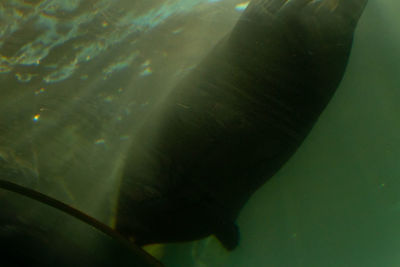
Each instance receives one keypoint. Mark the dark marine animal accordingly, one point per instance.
(234, 121)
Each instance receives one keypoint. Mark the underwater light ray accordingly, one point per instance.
(62, 115)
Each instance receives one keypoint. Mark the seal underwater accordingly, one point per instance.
(234, 121)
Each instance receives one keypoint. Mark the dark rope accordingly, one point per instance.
(30, 193)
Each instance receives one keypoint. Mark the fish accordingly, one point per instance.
(234, 121)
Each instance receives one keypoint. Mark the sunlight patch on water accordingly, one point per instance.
(60, 23)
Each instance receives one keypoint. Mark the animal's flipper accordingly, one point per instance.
(228, 235)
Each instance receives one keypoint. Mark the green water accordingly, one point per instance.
(336, 202)
(102, 67)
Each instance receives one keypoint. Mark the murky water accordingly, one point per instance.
(77, 78)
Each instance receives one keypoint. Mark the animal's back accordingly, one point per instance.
(235, 120)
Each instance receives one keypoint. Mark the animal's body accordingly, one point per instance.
(235, 120)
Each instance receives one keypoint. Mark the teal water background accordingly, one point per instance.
(77, 78)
